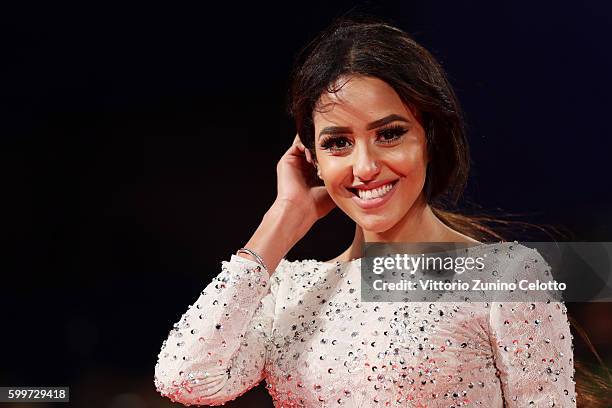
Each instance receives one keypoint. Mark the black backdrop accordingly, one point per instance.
(140, 143)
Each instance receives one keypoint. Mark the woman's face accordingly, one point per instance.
(371, 152)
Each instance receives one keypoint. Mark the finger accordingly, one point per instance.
(295, 150)
(298, 141)
(308, 156)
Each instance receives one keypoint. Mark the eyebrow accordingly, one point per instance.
(334, 130)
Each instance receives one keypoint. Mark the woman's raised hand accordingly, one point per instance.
(299, 203)
(297, 183)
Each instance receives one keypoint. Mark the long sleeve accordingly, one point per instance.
(532, 347)
(217, 351)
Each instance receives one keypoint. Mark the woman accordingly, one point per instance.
(379, 122)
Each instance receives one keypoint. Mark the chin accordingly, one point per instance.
(375, 224)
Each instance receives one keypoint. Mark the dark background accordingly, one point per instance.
(139, 145)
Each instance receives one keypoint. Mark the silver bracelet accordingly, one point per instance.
(254, 255)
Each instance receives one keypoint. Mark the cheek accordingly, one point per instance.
(334, 171)
(409, 162)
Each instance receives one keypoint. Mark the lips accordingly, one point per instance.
(374, 194)
(372, 184)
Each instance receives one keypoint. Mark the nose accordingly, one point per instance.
(365, 166)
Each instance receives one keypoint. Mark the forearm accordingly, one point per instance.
(203, 360)
(283, 225)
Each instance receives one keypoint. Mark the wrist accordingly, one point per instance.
(293, 216)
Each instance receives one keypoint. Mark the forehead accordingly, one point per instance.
(359, 101)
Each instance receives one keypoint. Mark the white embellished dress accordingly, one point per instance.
(306, 332)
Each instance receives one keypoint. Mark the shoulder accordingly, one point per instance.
(522, 272)
(513, 260)
(514, 254)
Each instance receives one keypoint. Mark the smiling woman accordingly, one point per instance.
(380, 123)
(374, 163)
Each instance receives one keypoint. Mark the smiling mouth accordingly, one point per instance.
(374, 193)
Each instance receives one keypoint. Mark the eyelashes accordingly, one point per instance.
(386, 135)
(334, 143)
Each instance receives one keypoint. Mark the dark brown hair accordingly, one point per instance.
(364, 45)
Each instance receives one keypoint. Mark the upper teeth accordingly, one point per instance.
(375, 192)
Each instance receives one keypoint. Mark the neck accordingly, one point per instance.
(419, 224)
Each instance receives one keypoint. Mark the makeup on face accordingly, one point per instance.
(371, 151)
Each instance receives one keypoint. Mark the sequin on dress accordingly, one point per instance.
(306, 332)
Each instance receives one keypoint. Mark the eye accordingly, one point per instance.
(335, 143)
(391, 134)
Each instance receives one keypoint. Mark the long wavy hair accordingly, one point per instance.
(361, 44)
